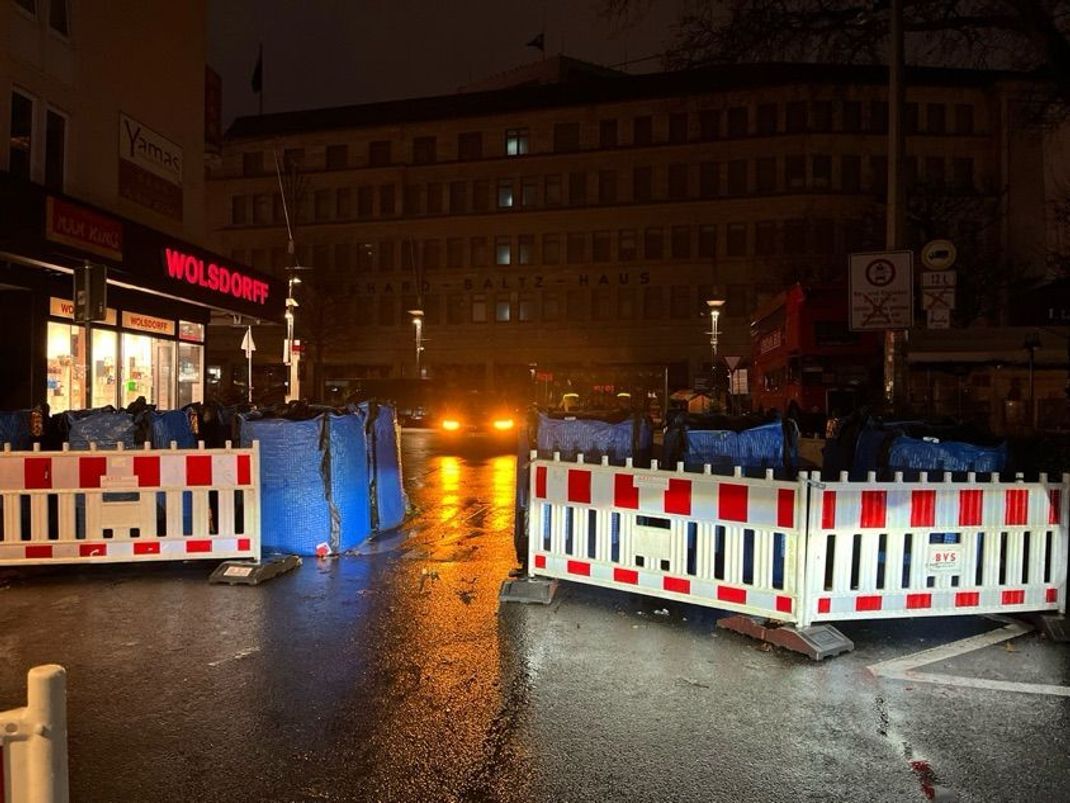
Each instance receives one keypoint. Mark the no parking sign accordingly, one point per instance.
(881, 292)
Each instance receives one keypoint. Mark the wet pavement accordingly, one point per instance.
(392, 675)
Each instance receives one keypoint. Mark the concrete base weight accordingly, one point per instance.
(816, 642)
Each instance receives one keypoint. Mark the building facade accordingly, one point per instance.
(103, 116)
(575, 231)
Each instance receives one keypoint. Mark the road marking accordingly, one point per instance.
(905, 668)
(236, 656)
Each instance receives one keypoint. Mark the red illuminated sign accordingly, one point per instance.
(83, 228)
(193, 270)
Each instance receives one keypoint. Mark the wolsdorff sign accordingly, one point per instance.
(199, 272)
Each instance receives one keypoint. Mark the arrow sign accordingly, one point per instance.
(247, 344)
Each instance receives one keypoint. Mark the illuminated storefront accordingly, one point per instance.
(150, 342)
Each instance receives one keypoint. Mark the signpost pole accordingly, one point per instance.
(248, 346)
(895, 340)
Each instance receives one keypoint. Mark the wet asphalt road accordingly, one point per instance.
(392, 675)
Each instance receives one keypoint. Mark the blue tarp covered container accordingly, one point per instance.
(105, 428)
(314, 485)
(912, 454)
(172, 425)
(593, 439)
(391, 503)
(757, 448)
(15, 429)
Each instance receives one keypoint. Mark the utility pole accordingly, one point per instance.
(895, 376)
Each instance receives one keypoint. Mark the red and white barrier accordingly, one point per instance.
(33, 741)
(729, 542)
(95, 506)
(803, 551)
(895, 549)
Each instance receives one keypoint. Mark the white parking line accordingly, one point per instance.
(905, 668)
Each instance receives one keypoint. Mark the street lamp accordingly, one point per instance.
(715, 305)
(418, 325)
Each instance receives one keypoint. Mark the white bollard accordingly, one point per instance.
(35, 739)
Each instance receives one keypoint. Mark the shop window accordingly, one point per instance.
(600, 246)
(505, 193)
(190, 370)
(678, 182)
(516, 141)
(337, 157)
(566, 137)
(642, 184)
(678, 128)
(458, 197)
(852, 116)
(709, 179)
(626, 245)
(607, 186)
(503, 251)
(59, 17)
(642, 130)
(469, 146)
(424, 150)
(576, 247)
(653, 243)
(709, 124)
(607, 134)
(737, 121)
(529, 188)
(551, 249)
(66, 367)
(553, 190)
(525, 249)
(105, 368)
(379, 153)
(681, 242)
(21, 142)
(147, 370)
(55, 149)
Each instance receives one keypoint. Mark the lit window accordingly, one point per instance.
(516, 141)
(479, 308)
(525, 249)
(502, 251)
(503, 311)
(505, 193)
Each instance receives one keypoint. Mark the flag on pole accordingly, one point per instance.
(538, 42)
(258, 72)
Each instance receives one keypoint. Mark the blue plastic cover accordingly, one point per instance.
(172, 425)
(105, 428)
(908, 454)
(760, 447)
(15, 429)
(593, 439)
(391, 502)
(349, 479)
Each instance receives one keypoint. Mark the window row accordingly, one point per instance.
(675, 128)
(643, 184)
(57, 13)
(705, 243)
(37, 141)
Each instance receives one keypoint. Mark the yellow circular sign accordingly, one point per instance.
(938, 254)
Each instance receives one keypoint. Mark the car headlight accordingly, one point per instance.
(451, 425)
(503, 424)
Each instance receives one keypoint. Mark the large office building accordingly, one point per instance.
(573, 224)
(105, 110)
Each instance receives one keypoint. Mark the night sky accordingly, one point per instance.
(336, 52)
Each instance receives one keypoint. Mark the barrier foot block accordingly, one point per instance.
(531, 590)
(245, 573)
(1055, 626)
(816, 642)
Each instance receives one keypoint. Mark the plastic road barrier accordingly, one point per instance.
(129, 505)
(803, 551)
(33, 741)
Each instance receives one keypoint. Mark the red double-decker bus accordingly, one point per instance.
(804, 352)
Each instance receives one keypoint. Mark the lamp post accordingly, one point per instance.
(418, 327)
(289, 355)
(714, 305)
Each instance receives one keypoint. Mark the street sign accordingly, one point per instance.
(247, 344)
(939, 278)
(938, 254)
(881, 294)
(937, 298)
(939, 318)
